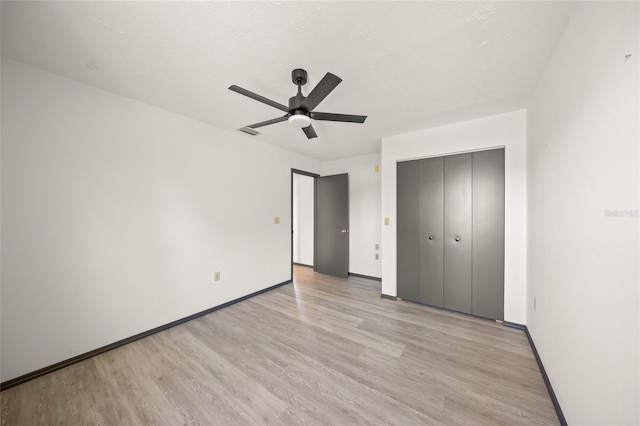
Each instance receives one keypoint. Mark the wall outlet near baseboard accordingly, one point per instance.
(377, 256)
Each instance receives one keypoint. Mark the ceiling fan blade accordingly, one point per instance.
(322, 89)
(347, 118)
(310, 132)
(266, 123)
(258, 98)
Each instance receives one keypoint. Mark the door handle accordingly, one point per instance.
(457, 238)
(431, 237)
(344, 231)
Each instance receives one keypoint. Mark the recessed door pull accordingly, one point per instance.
(457, 238)
(431, 237)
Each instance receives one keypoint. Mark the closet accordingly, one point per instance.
(450, 232)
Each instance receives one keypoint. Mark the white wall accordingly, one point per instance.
(116, 214)
(504, 130)
(303, 218)
(364, 210)
(583, 264)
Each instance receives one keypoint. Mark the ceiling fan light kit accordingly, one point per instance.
(299, 120)
(300, 111)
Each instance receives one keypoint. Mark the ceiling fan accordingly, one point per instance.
(300, 111)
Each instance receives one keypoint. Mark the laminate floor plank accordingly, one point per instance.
(347, 331)
(324, 350)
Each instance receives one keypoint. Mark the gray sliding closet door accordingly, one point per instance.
(408, 256)
(488, 234)
(431, 231)
(457, 232)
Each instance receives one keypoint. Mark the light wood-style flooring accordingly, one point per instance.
(321, 351)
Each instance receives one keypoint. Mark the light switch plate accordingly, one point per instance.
(377, 246)
(386, 221)
(276, 220)
(377, 168)
(216, 276)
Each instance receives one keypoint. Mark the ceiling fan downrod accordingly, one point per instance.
(299, 78)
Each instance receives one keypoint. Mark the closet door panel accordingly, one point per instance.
(431, 231)
(457, 232)
(408, 253)
(488, 234)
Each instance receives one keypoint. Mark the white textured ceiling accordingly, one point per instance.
(407, 65)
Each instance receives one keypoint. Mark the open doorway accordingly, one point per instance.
(302, 218)
(320, 222)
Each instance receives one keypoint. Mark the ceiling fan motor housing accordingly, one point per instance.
(294, 104)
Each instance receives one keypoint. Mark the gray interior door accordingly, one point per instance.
(431, 231)
(457, 232)
(332, 225)
(488, 234)
(408, 240)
